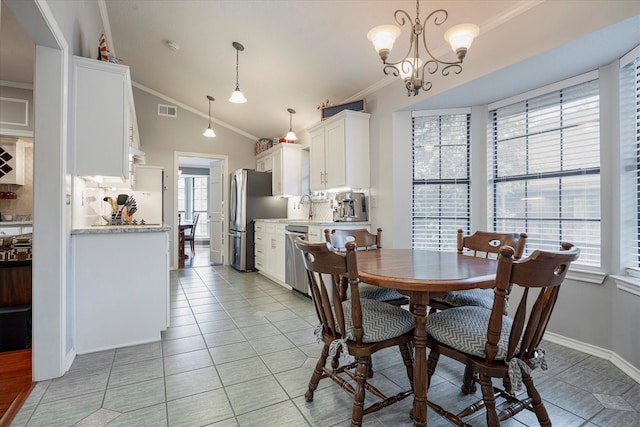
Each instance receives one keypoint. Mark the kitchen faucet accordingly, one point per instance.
(308, 196)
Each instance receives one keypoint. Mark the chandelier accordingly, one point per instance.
(209, 133)
(237, 97)
(412, 68)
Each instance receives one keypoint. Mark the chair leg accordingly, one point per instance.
(317, 373)
(538, 406)
(468, 384)
(489, 400)
(358, 396)
(193, 247)
(432, 362)
(407, 358)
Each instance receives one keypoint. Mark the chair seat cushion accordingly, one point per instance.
(377, 293)
(465, 329)
(473, 297)
(380, 321)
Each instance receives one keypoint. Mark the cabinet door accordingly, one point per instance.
(264, 164)
(317, 160)
(279, 257)
(335, 155)
(276, 174)
(100, 118)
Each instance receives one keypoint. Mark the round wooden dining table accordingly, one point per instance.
(419, 274)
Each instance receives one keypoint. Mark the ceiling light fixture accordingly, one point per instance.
(209, 133)
(411, 68)
(237, 97)
(291, 136)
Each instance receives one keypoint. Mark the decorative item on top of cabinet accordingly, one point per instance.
(102, 128)
(284, 161)
(11, 161)
(339, 152)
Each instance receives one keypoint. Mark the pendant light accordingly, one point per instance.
(209, 133)
(237, 97)
(291, 136)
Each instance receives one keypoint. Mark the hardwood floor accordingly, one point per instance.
(15, 382)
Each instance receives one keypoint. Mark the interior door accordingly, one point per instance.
(216, 213)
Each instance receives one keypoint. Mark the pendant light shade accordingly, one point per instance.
(237, 97)
(291, 136)
(209, 133)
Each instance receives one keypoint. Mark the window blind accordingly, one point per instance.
(544, 169)
(630, 142)
(441, 184)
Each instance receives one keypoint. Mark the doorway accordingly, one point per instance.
(200, 198)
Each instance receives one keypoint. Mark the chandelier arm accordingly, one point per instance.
(439, 17)
(455, 68)
(390, 68)
(401, 20)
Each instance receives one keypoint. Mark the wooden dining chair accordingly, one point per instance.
(355, 328)
(498, 346)
(189, 234)
(481, 243)
(365, 241)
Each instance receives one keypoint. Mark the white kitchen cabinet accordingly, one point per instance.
(284, 162)
(316, 232)
(339, 152)
(101, 124)
(121, 288)
(269, 248)
(264, 162)
(13, 228)
(12, 162)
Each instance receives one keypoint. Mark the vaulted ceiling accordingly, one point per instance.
(300, 53)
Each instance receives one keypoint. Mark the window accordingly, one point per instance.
(630, 143)
(193, 197)
(544, 169)
(441, 183)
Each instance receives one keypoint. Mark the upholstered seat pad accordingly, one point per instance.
(380, 321)
(473, 297)
(377, 293)
(465, 329)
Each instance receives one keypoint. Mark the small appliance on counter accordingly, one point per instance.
(350, 207)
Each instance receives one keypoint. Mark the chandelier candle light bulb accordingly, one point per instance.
(412, 68)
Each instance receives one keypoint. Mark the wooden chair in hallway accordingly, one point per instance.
(497, 346)
(356, 327)
(189, 234)
(365, 241)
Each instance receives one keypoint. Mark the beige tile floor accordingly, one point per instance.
(240, 352)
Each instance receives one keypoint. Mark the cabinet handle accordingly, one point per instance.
(321, 177)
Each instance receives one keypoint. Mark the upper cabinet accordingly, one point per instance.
(339, 152)
(284, 162)
(11, 161)
(103, 120)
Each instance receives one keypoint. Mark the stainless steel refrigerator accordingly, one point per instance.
(249, 199)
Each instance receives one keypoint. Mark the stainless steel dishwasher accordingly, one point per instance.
(295, 273)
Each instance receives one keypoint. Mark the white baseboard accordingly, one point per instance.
(68, 360)
(620, 363)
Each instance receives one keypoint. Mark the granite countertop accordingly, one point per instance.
(312, 223)
(15, 223)
(111, 229)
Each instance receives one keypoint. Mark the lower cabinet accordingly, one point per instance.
(270, 250)
(121, 289)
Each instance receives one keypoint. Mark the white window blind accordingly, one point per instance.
(544, 169)
(441, 184)
(630, 142)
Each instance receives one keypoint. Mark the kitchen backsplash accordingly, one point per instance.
(322, 209)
